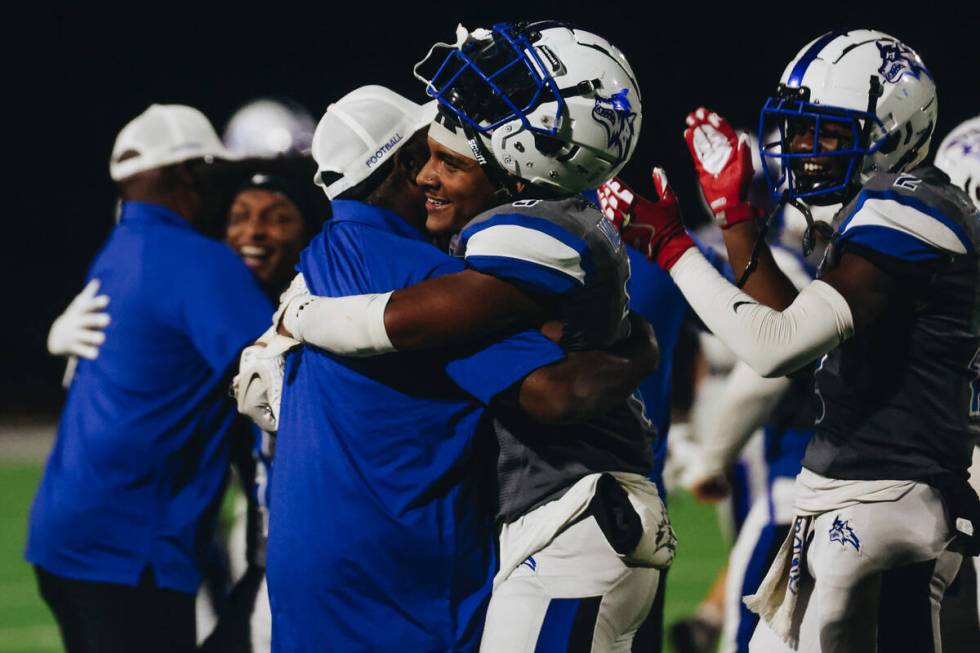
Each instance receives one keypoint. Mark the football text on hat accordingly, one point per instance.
(360, 132)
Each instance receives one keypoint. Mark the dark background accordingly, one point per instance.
(74, 76)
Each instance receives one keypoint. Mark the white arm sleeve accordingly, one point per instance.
(773, 343)
(348, 326)
(744, 405)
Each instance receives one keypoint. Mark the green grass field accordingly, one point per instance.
(26, 625)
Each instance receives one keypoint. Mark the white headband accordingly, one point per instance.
(454, 140)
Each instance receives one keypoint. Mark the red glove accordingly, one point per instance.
(723, 160)
(653, 227)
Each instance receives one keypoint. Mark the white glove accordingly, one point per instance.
(258, 386)
(79, 330)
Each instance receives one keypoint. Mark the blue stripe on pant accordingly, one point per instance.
(568, 626)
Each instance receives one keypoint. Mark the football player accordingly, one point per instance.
(891, 320)
(403, 557)
(531, 116)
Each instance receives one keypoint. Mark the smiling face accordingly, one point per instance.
(833, 136)
(456, 190)
(266, 229)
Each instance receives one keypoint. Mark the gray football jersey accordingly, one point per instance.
(901, 399)
(568, 255)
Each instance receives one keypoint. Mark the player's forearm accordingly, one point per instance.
(588, 383)
(745, 404)
(773, 343)
(457, 308)
(447, 310)
(767, 284)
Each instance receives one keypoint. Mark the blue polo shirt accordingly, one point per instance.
(141, 455)
(378, 540)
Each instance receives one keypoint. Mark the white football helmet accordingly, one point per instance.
(867, 89)
(269, 128)
(551, 104)
(959, 157)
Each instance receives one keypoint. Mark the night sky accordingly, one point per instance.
(75, 76)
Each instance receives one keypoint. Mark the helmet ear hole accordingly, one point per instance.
(547, 145)
(891, 142)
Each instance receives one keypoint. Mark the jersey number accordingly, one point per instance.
(908, 182)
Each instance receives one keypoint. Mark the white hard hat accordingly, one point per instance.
(361, 131)
(163, 135)
(269, 127)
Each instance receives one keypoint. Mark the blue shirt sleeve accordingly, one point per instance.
(532, 253)
(225, 308)
(491, 370)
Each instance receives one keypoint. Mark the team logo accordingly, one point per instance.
(531, 563)
(616, 116)
(898, 60)
(967, 143)
(841, 532)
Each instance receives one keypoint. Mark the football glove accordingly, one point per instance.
(723, 160)
(652, 226)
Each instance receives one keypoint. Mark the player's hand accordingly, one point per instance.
(79, 331)
(652, 226)
(723, 160)
(258, 386)
(711, 489)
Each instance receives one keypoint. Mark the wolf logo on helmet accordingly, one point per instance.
(897, 60)
(616, 115)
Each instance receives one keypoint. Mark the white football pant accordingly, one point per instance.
(880, 571)
(576, 594)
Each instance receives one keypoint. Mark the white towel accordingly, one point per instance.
(777, 599)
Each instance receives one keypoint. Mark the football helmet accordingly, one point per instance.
(545, 102)
(959, 157)
(849, 105)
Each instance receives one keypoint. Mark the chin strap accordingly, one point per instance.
(813, 227)
(757, 247)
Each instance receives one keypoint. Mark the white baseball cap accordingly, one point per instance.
(163, 135)
(362, 130)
